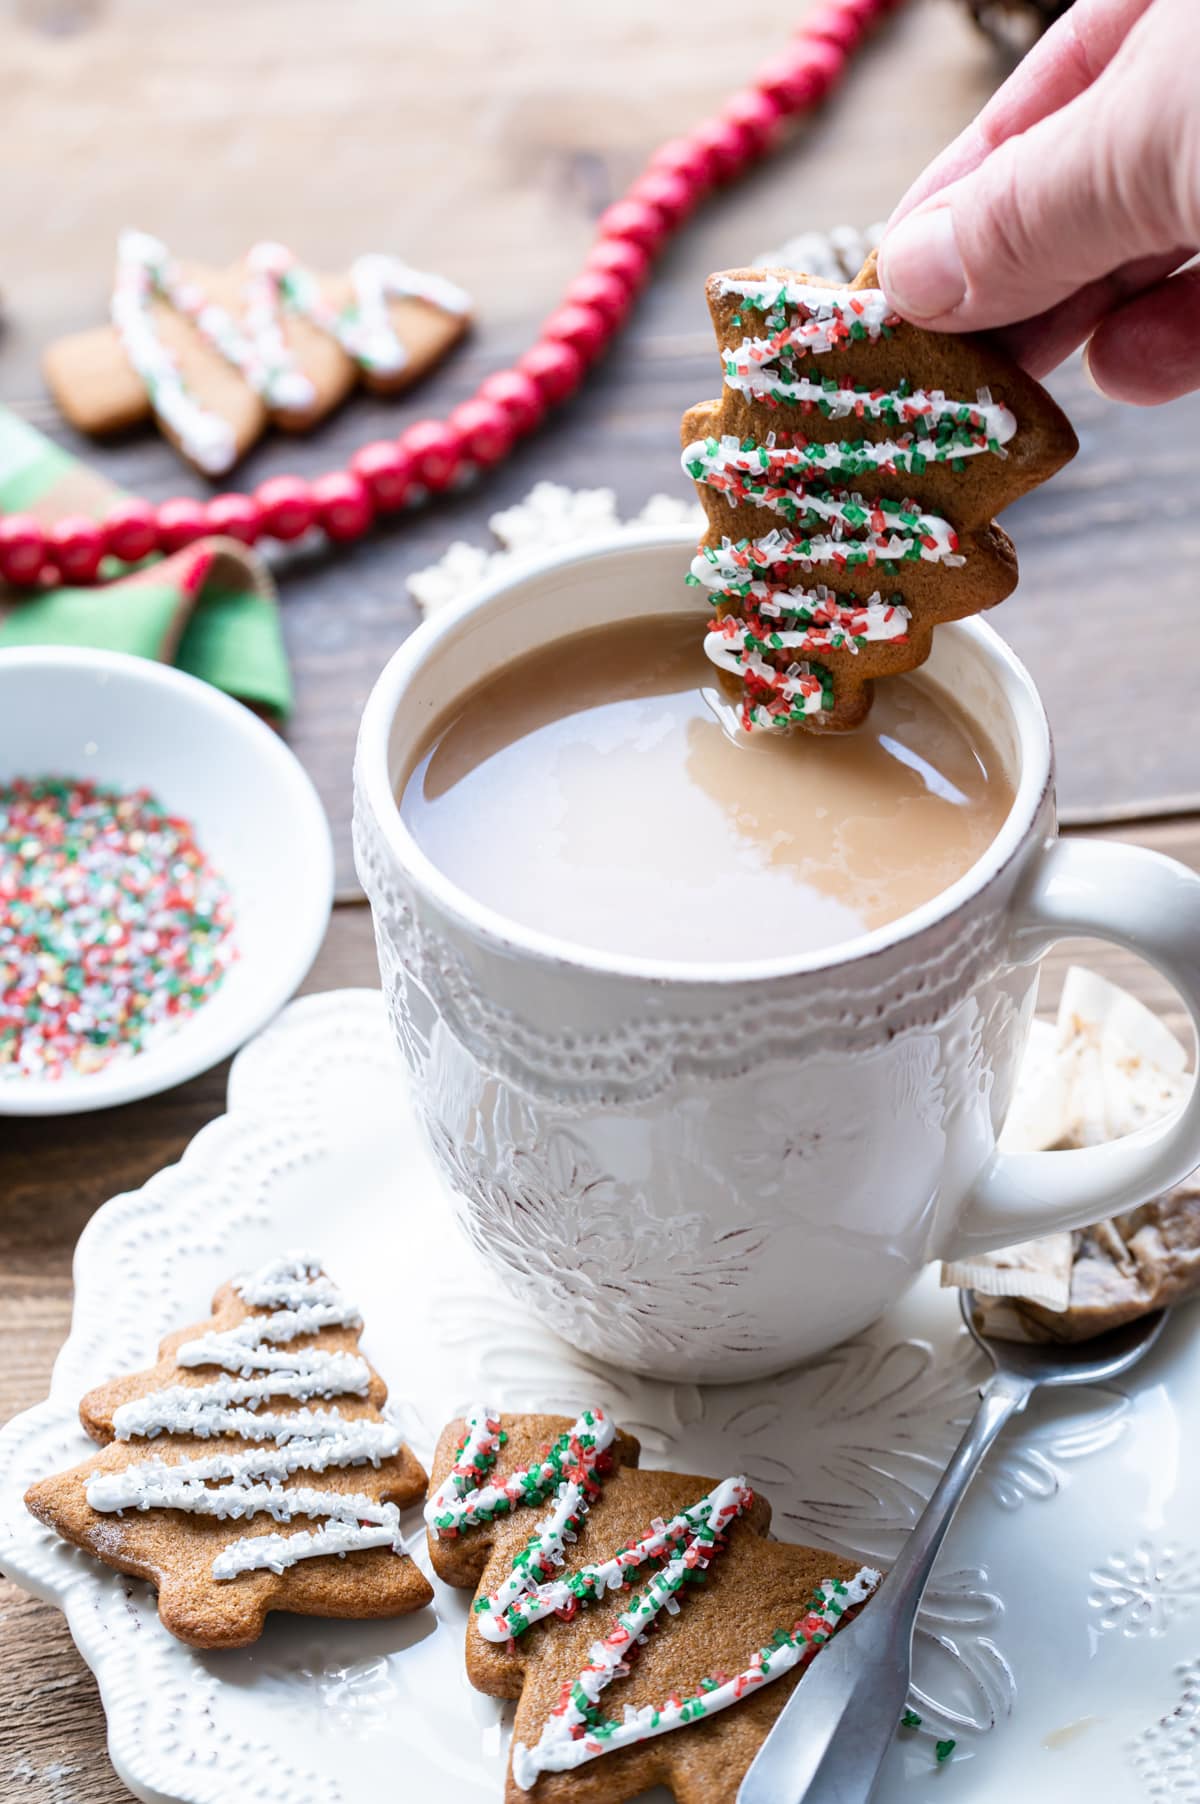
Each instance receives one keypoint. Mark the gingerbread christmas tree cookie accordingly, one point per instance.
(850, 472)
(649, 1631)
(252, 1469)
(214, 355)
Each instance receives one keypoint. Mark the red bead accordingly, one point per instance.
(555, 366)
(180, 522)
(76, 544)
(755, 114)
(518, 395)
(620, 257)
(668, 192)
(235, 517)
(633, 219)
(726, 144)
(822, 63)
(22, 548)
(686, 158)
(387, 469)
(131, 530)
(286, 505)
(484, 430)
(791, 80)
(581, 327)
(436, 452)
(600, 289)
(343, 504)
(836, 23)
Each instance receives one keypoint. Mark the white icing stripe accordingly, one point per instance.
(889, 529)
(718, 463)
(460, 1501)
(275, 1553)
(729, 565)
(193, 1408)
(867, 305)
(880, 622)
(566, 1741)
(920, 406)
(538, 1601)
(239, 1485)
(293, 1282)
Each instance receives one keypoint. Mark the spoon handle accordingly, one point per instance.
(831, 1738)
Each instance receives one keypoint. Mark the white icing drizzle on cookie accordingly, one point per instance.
(255, 342)
(242, 1484)
(465, 1499)
(537, 1588)
(574, 1733)
(736, 644)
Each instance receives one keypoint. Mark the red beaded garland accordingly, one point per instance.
(235, 517)
(586, 330)
(603, 292)
(436, 451)
(516, 392)
(634, 219)
(131, 530)
(386, 466)
(286, 505)
(343, 505)
(76, 544)
(555, 366)
(383, 475)
(22, 548)
(181, 522)
(484, 430)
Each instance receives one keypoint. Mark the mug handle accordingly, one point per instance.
(1150, 905)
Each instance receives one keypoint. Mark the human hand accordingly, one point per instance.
(1062, 211)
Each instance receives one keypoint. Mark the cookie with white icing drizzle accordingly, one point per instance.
(214, 355)
(649, 1631)
(252, 1469)
(850, 471)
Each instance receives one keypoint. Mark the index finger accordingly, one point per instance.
(1060, 66)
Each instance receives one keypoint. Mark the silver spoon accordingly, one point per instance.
(831, 1738)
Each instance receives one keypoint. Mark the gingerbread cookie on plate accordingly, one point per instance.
(850, 471)
(649, 1631)
(252, 1469)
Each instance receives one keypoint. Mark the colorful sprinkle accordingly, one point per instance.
(114, 926)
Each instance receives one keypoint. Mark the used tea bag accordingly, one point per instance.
(1107, 1066)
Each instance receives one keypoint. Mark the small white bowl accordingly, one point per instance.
(134, 724)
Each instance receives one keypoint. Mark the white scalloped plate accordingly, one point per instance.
(1060, 1644)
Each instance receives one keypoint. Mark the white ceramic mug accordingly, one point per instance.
(709, 1171)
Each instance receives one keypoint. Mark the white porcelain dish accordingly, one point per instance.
(128, 722)
(1058, 1643)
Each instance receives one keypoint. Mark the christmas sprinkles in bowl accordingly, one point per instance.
(115, 925)
(166, 877)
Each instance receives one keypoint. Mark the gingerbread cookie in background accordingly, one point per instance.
(849, 473)
(233, 1437)
(217, 355)
(649, 1631)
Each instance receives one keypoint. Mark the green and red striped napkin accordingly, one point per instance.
(212, 609)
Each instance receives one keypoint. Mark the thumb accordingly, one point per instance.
(1080, 193)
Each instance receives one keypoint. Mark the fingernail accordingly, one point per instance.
(919, 265)
(1090, 373)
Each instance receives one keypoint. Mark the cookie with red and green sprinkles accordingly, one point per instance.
(850, 470)
(648, 1629)
(115, 926)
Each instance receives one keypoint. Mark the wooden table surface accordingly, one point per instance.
(482, 141)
